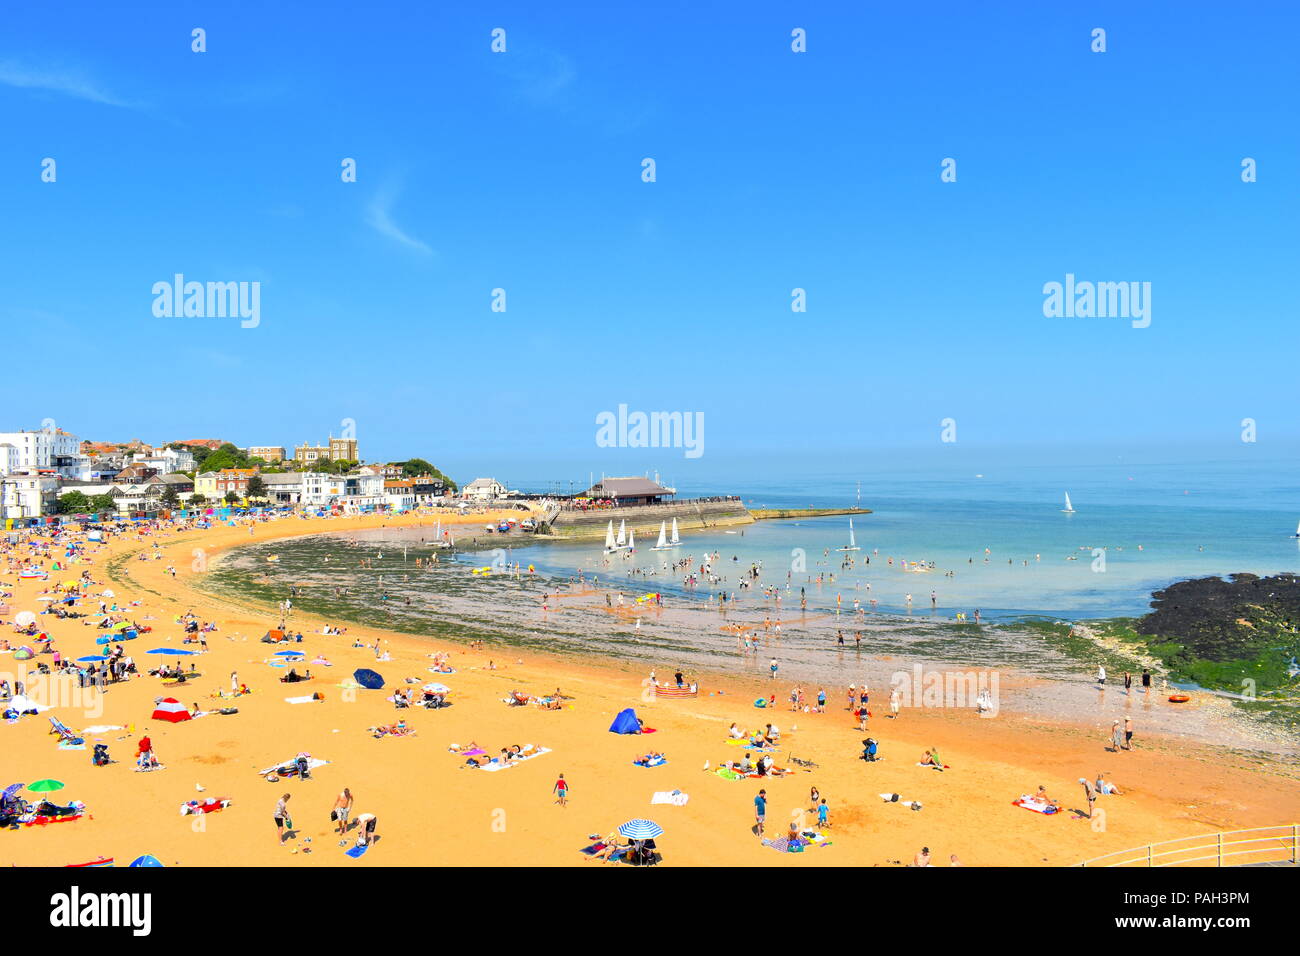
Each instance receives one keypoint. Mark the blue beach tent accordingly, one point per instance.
(625, 723)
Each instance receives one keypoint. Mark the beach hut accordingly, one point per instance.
(625, 723)
(171, 710)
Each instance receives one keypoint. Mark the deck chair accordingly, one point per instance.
(59, 727)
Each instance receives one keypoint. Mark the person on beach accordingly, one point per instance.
(1146, 681)
(1101, 674)
(922, 858)
(1128, 733)
(1104, 786)
(342, 808)
(366, 823)
(1089, 794)
(760, 811)
(1128, 682)
(894, 703)
(561, 791)
(823, 815)
(283, 824)
(773, 666)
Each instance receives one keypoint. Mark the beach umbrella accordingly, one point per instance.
(91, 658)
(24, 618)
(436, 688)
(171, 710)
(640, 829)
(10, 790)
(120, 626)
(368, 678)
(45, 786)
(171, 651)
(146, 860)
(289, 654)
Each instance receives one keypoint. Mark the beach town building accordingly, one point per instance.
(399, 494)
(338, 449)
(46, 449)
(284, 489)
(427, 489)
(392, 470)
(134, 474)
(218, 484)
(166, 461)
(28, 494)
(630, 491)
(268, 453)
(355, 491)
(483, 489)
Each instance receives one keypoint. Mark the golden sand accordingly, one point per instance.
(431, 811)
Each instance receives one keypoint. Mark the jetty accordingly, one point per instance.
(767, 514)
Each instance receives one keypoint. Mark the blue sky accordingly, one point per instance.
(775, 170)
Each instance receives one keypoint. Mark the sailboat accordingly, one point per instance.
(610, 546)
(853, 541)
(1069, 508)
(662, 544)
(1297, 531)
(631, 541)
(676, 538)
(621, 540)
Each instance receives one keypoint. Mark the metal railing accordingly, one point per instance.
(1277, 844)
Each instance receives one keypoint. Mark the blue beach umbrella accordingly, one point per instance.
(368, 679)
(640, 829)
(146, 860)
(91, 658)
(10, 790)
(289, 654)
(170, 650)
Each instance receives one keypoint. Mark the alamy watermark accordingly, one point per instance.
(960, 689)
(1102, 300)
(626, 429)
(198, 300)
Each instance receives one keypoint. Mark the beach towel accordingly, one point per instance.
(476, 752)
(933, 767)
(356, 852)
(77, 744)
(1038, 806)
(206, 805)
(726, 774)
(303, 700)
(290, 767)
(674, 797)
(593, 849)
(497, 765)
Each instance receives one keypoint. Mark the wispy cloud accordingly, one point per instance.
(379, 217)
(66, 82)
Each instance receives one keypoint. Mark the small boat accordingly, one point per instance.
(853, 541)
(610, 544)
(676, 538)
(662, 544)
(1069, 508)
(1297, 531)
(631, 541)
(621, 540)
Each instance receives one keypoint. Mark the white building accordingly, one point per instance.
(483, 489)
(28, 494)
(167, 461)
(45, 449)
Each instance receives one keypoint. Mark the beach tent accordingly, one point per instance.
(171, 710)
(625, 723)
(273, 636)
(146, 860)
(23, 654)
(368, 679)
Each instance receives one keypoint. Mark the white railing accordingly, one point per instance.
(1278, 844)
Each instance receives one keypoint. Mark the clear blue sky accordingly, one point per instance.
(775, 170)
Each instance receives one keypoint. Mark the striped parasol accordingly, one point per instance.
(640, 830)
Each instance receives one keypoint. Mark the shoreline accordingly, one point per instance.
(431, 811)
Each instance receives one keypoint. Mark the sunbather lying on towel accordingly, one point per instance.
(399, 729)
(652, 759)
(206, 805)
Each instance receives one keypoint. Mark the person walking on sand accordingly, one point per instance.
(561, 791)
(283, 824)
(342, 809)
(893, 703)
(1128, 682)
(234, 682)
(772, 667)
(1146, 681)
(1128, 733)
(760, 811)
(1117, 736)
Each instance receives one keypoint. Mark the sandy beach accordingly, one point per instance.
(432, 811)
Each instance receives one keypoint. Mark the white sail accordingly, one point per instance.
(1297, 529)
(853, 541)
(1069, 508)
(609, 536)
(622, 534)
(631, 540)
(663, 535)
(676, 539)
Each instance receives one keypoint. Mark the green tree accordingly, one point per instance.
(198, 499)
(74, 502)
(100, 503)
(256, 487)
(232, 498)
(170, 499)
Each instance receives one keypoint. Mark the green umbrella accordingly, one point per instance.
(45, 786)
